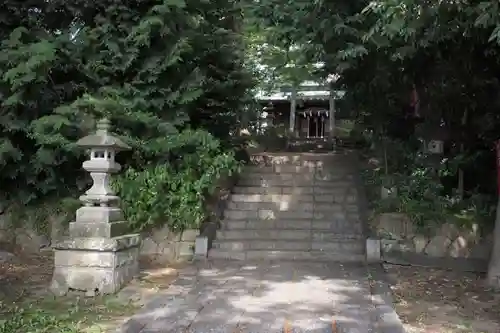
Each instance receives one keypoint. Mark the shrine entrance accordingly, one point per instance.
(313, 123)
(306, 113)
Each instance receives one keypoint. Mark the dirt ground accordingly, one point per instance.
(24, 283)
(439, 301)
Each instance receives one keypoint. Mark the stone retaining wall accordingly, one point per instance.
(165, 245)
(29, 238)
(446, 245)
(161, 243)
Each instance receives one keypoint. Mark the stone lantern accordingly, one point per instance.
(432, 137)
(100, 256)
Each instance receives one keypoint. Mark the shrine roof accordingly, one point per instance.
(322, 95)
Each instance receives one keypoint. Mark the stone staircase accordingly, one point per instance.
(293, 206)
(318, 145)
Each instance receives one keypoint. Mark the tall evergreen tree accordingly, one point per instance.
(154, 67)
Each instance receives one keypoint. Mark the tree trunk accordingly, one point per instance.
(493, 277)
(462, 149)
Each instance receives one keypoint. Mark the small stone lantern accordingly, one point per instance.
(103, 148)
(435, 147)
(432, 138)
(100, 255)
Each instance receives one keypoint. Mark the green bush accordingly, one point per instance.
(418, 195)
(174, 192)
(420, 191)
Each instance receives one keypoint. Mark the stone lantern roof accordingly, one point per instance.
(102, 138)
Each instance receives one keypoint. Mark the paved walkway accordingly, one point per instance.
(263, 297)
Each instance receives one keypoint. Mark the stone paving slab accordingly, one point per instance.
(261, 297)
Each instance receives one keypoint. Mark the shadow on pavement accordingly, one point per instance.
(225, 296)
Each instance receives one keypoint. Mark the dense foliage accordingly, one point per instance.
(167, 73)
(176, 192)
(412, 71)
(418, 191)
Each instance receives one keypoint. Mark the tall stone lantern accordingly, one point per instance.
(100, 256)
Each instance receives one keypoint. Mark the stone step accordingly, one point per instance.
(338, 226)
(271, 198)
(271, 206)
(302, 177)
(240, 189)
(297, 158)
(297, 234)
(286, 255)
(321, 212)
(345, 197)
(338, 246)
(281, 169)
(289, 160)
(263, 182)
(282, 206)
(280, 172)
(302, 166)
(301, 172)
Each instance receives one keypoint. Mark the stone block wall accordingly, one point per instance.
(160, 243)
(29, 237)
(164, 245)
(444, 245)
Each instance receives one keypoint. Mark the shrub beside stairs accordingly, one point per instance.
(293, 206)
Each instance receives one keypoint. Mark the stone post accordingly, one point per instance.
(100, 256)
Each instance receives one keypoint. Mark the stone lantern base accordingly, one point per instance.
(95, 265)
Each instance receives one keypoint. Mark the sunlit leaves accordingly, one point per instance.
(174, 193)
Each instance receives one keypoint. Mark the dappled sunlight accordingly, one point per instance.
(303, 210)
(162, 272)
(261, 297)
(300, 295)
(300, 199)
(300, 205)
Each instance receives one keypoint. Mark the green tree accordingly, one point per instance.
(383, 50)
(155, 68)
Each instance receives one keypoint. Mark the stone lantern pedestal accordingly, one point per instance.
(100, 256)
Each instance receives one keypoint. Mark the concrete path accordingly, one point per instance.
(262, 297)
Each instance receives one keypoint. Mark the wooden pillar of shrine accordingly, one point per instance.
(331, 114)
